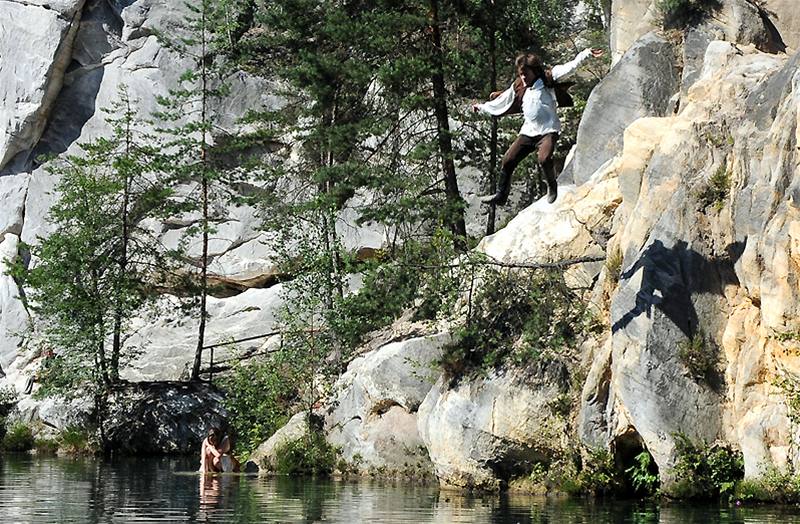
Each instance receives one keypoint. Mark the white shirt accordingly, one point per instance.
(538, 102)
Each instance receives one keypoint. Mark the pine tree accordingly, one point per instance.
(188, 118)
(98, 268)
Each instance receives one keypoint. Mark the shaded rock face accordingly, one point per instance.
(482, 431)
(163, 418)
(640, 84)
(373, 416)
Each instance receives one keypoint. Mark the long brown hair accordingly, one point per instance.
(213, 435)
(534, 63)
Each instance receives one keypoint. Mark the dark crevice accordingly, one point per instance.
(224, 287)
(775, 43)
(382, 407)
(630, 457)
(68, 116)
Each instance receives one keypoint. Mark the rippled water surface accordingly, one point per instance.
(48, 490)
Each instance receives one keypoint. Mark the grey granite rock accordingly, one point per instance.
(480, 432)
(373, 416)
(639, 85)
(155, 418)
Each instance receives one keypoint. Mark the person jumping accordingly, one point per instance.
(534, 94)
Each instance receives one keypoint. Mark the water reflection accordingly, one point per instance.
(45, 490)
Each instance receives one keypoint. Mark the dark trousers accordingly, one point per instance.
(523, 146)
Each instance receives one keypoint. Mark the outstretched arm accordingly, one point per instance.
(497, 105)
(564, 70)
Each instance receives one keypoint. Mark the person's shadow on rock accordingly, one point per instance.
(671, 276)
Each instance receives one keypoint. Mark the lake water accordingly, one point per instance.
(50, 490)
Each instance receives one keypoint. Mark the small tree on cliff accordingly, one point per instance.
(190, 118)
(99, 266)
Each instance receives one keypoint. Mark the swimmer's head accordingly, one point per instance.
(213, 435)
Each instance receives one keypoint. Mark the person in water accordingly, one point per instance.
(534, 93)
(215, 454)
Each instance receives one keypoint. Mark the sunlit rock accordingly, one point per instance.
(482, 431)
(39, 37)
(373, 416)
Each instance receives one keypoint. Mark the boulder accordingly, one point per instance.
(57, 413)
(373, 416)
(641, 84)
(737, 21)
(263, 458)
(575, 227)
(482, 431)
(156, 418)
(630, 19)
(743, 22)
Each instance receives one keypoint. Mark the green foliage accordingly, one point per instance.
(8, 400)
(307, 456)
(705, 471)
(18, 437)
(99, 266)
(595, 475)
(773, 486)
(387, 290)
(71, 441)
(643, 475)
(791, 391)
(699, 357)
(680, 13)
(614, 264)
(45, 445)
(516, 317)
(787, 336)
(74, 440)
(599, 475)
(391, 284)
(715, 192)
(259, 397)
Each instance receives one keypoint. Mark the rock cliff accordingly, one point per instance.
(685, 172)
(677, 114)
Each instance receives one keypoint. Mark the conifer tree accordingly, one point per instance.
(189, 117)
(99, 267)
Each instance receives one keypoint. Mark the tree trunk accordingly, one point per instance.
(201, 330)
(490, 219)
(455, 204)
(101, 338)
(116, 345)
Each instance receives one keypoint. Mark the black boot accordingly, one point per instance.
(503, 189)
(550, 181)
